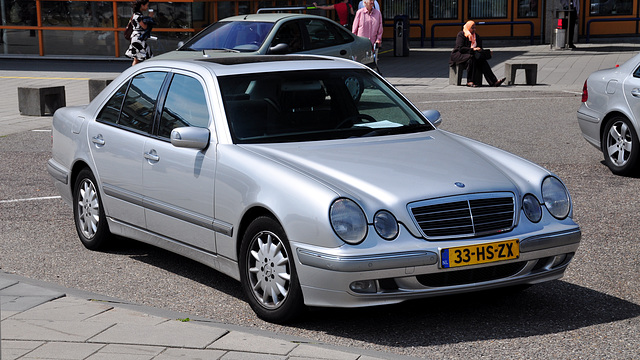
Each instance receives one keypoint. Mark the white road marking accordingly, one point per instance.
(30, 199)
(472, 100)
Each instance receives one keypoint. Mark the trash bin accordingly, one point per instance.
(401, 29)
(559, 39)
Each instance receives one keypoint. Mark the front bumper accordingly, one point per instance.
(327, 279)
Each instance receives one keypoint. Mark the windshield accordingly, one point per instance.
(314, 105)
(230, 35)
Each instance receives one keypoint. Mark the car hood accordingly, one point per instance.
(392, 171)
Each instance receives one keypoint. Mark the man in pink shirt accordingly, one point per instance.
(368, 23)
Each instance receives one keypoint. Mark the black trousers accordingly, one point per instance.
(477, 68)
(573, 16)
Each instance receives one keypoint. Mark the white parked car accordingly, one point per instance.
(276, 34)
(608, 116)
(309, 179)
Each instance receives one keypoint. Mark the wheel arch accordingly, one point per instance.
(605, 120)
(75, 170)
(250, 215)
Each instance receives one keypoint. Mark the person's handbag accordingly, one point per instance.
(483, 54)
(128, 31)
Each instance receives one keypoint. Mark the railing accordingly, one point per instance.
(482, 23)
(608, 20)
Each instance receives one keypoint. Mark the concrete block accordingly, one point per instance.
(530, 72)
(96, 86)
(39, 101)
(455, 73)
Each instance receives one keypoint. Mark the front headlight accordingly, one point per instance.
(532, 208)
(348, 221)
(556, 197)
(386, 225)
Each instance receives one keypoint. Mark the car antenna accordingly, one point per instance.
(204, 53)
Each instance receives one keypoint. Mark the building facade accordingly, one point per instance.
(95, 28)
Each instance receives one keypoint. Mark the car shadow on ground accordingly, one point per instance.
(549, 308)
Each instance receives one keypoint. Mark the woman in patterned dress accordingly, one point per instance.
(139, 50)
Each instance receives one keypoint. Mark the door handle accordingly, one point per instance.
(343, 52)
(635, 92)
(152, 156)
(98, 140)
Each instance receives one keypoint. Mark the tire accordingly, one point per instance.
(268, 273)
(88, 212)
(620, 146)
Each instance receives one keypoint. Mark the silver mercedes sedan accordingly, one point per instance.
(311, 180)
(608, 116)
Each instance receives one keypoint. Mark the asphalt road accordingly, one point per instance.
(592, 313)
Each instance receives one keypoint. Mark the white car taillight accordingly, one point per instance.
(585, 92)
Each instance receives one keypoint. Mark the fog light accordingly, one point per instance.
(559, 259)
(364, 286)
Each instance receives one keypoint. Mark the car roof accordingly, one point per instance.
(269, 17)
(222, 66)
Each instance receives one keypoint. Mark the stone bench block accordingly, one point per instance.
(96, 86)
(530, 72)
(39, 101)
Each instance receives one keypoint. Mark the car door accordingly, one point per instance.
(117, 140)
(178, 182)
(326, 38)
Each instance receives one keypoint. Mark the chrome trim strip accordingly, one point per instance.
(550, 240)
(122, 194)
(57, 171)
(169, 210)
(366, 262)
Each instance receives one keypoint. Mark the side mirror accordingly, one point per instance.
(180, 44)
(279, 49)
(433, 116)
(190, 137)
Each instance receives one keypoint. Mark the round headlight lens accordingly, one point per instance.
(531, 207)
(556, 197)
(348, 221)
(386, 225)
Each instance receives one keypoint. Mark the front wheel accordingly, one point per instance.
(620, 146)
(268, 274)
(88, 213)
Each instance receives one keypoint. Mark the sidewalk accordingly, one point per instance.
(42, 320)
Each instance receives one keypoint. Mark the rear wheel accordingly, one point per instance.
(620, 146)
(88, 213)
(268, 274)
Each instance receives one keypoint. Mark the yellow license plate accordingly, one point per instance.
(480, 254)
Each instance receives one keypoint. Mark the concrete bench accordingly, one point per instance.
(39, 101)
(530, 72)
(96, 86)
(455, 74)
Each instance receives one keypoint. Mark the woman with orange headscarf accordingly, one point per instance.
(469, 50)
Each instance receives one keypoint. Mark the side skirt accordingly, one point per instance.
(219, 263)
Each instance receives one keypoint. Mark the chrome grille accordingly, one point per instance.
(465, 216)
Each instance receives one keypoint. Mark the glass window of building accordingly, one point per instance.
(443, 9)
(487, 9)
(611, 7)
(392, 8)
(527, 8)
